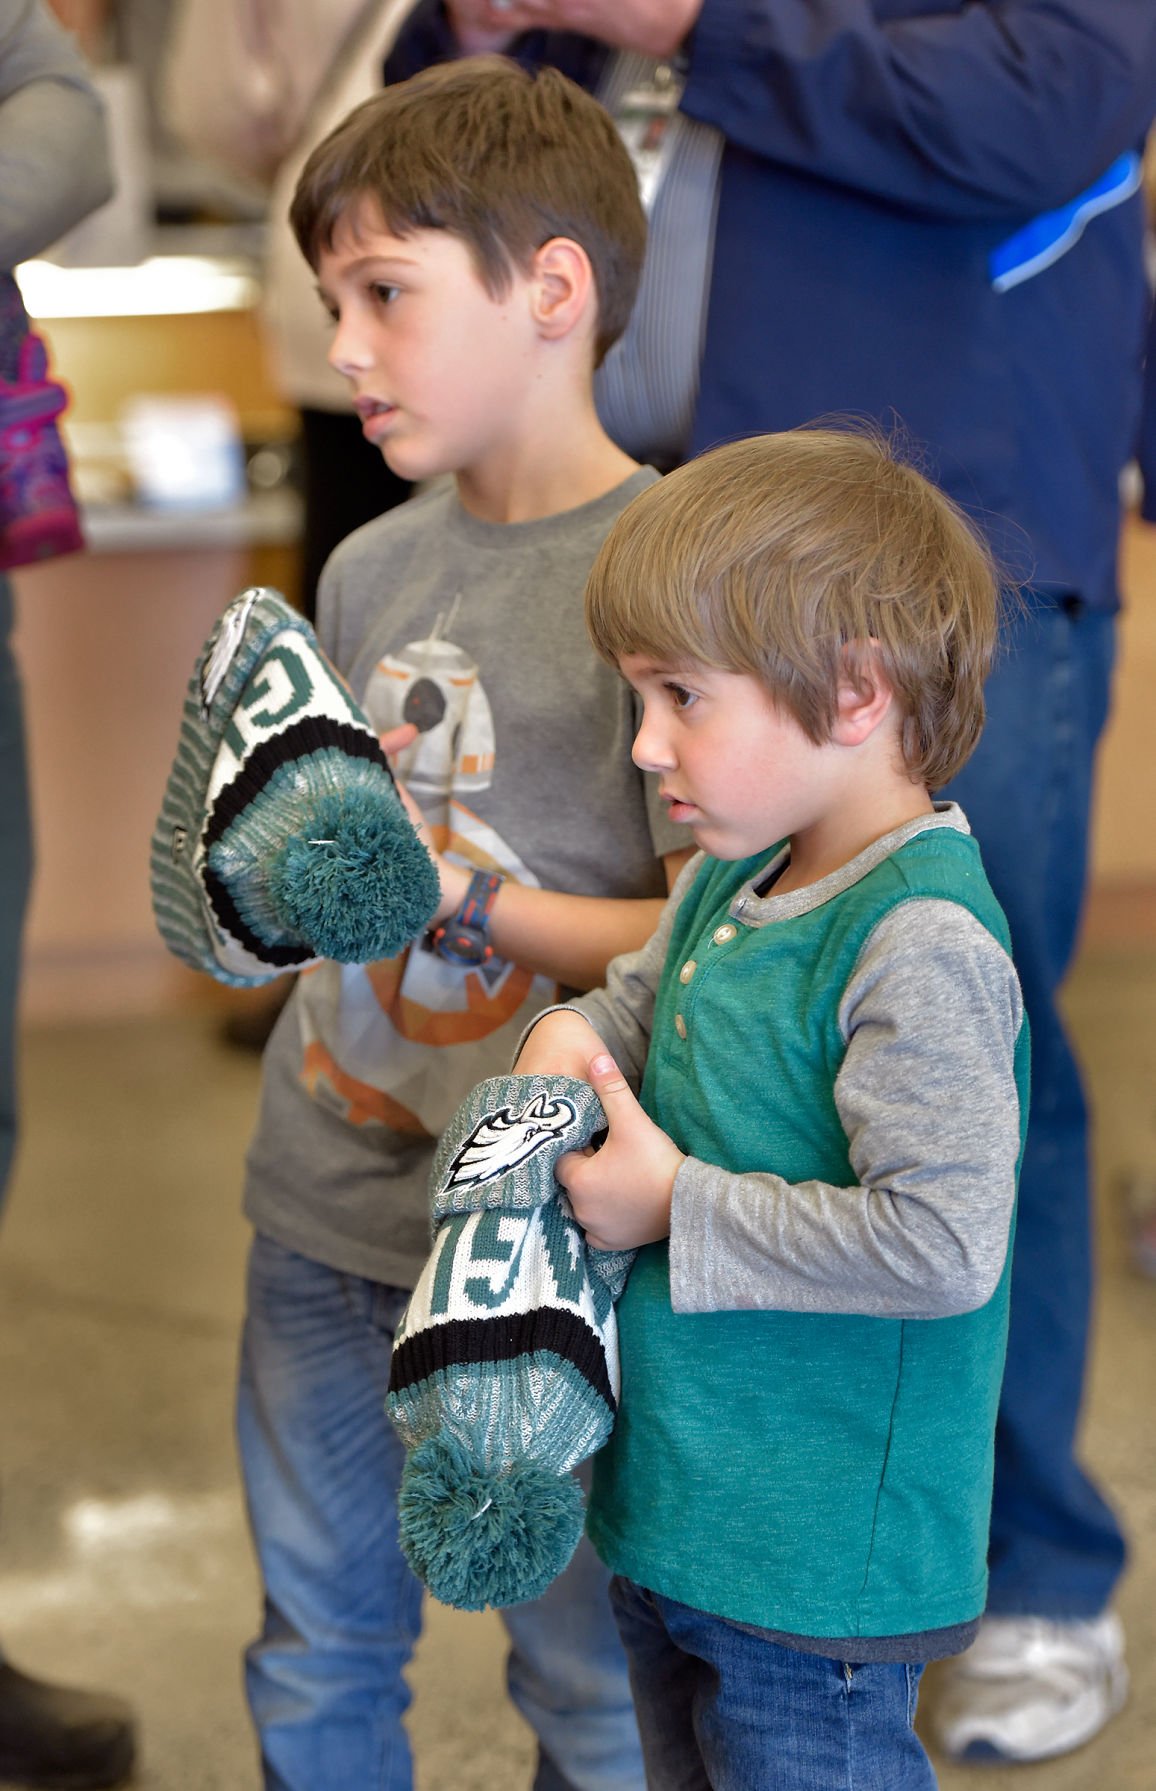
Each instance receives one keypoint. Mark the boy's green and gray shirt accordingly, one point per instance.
(932, 1009)
(846, 1069)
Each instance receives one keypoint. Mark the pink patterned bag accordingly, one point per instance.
(38, 514)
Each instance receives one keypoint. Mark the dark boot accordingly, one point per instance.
(58, 1739)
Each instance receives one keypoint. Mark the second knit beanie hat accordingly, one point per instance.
(282, 838)
(505, 1367)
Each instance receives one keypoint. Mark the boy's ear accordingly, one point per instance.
(563, 287)
(864, 697)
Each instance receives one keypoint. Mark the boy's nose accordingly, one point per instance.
(650, 751)
(347, 353)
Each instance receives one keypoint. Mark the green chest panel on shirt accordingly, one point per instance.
(825, 1475)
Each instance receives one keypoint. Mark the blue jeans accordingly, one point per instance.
(722, 1708)
(322, 1467)
(1056, 1548)
(15, 875)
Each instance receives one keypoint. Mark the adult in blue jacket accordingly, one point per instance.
(926, 213)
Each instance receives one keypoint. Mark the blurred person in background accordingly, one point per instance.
(54, 170)
(253, 89)
(927, 212)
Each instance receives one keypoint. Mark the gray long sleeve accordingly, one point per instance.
(54, 166)
(926, 1096)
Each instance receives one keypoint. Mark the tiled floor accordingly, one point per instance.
(124, 1558)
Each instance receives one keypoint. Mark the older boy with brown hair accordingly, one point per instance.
(820, 1170)
(477, 237)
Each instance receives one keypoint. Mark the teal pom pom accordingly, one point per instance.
(479, 1537)
(361, 886)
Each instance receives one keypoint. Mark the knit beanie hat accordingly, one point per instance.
(505, 1366)
(281, 838)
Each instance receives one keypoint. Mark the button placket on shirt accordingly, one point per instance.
(695, 968)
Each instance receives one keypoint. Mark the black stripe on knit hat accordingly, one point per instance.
(228, 917)
(474, 1342)
(315, 733)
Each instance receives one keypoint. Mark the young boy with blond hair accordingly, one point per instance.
(477, 238)
(819, 1170)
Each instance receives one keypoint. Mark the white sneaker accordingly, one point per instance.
(1029, 1688)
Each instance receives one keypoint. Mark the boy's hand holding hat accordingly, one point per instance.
(621, 1195)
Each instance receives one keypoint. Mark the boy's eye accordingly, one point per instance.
(383, 292)
(682, 697)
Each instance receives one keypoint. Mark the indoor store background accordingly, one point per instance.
(125, 1559)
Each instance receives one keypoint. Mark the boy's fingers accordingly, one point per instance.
(608, 1080)
(611, 1087)
(397, 739)
(568, 1166)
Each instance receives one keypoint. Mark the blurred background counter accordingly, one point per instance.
(107, 639)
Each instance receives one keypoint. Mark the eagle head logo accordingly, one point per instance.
(501, 1141)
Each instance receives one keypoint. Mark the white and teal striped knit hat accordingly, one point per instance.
(281, 838)
(505, 1367)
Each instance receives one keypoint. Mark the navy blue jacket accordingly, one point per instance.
(877, 152)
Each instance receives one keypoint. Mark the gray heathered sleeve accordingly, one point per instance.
(54, 165)
(927, 1097)
(622, 1014)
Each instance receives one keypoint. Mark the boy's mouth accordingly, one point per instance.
(372, 412)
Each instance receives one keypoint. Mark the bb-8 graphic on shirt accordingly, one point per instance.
(368, 1028)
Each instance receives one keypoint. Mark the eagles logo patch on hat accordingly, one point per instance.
(281, 838)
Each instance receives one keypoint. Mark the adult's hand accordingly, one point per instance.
(653, 27)
(480, 27)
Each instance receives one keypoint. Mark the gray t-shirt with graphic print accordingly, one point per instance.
(475, 632)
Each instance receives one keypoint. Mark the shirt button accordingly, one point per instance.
(687, 971)
(724, 934)
(680, 1026)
